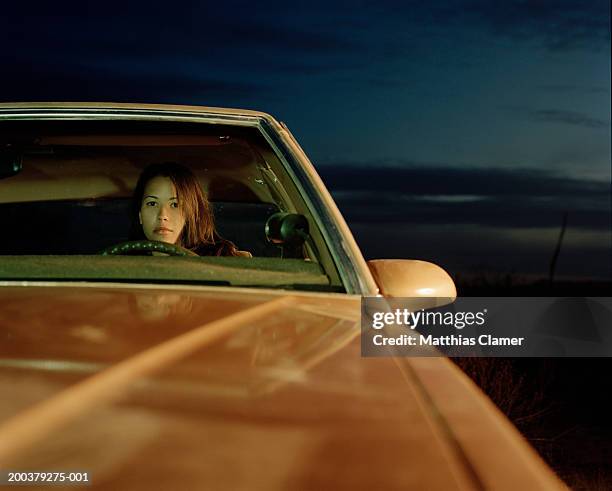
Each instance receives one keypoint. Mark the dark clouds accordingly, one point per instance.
(204, 30)
(76, 82)
(223, 53)
(565, 88)
(219, 52)
(417, 194)
(473, 219)
(568, 117)
(230, 53)
(492, 212)
(414, 178)
(558, 25)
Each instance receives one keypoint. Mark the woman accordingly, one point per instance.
(170, 206)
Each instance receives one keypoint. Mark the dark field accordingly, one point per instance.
(563, 406)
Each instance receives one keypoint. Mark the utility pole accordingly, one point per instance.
(553, 262)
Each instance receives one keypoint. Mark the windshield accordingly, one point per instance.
(68, 202)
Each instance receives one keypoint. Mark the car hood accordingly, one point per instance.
(226, 388)
(226, 342)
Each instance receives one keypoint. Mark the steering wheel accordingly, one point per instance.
(136, 246)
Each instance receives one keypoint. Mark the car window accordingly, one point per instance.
(66, 196)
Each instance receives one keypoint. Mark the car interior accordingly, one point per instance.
(66, 187)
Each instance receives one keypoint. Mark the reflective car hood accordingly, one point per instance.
(73, 333)
(234, 389)
(107, 325)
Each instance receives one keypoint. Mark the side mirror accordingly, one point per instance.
(413, 279)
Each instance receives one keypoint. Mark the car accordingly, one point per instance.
(125, 369)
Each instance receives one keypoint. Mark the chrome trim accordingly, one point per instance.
(179, 287)
(126, 114)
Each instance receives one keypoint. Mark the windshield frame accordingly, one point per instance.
(349, 263)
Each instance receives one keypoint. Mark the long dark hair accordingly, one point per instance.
(198, 234)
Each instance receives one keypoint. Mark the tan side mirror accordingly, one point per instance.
(412, 278)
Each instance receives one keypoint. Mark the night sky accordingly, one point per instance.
(456, 131)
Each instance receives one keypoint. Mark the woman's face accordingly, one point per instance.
(160, 214)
